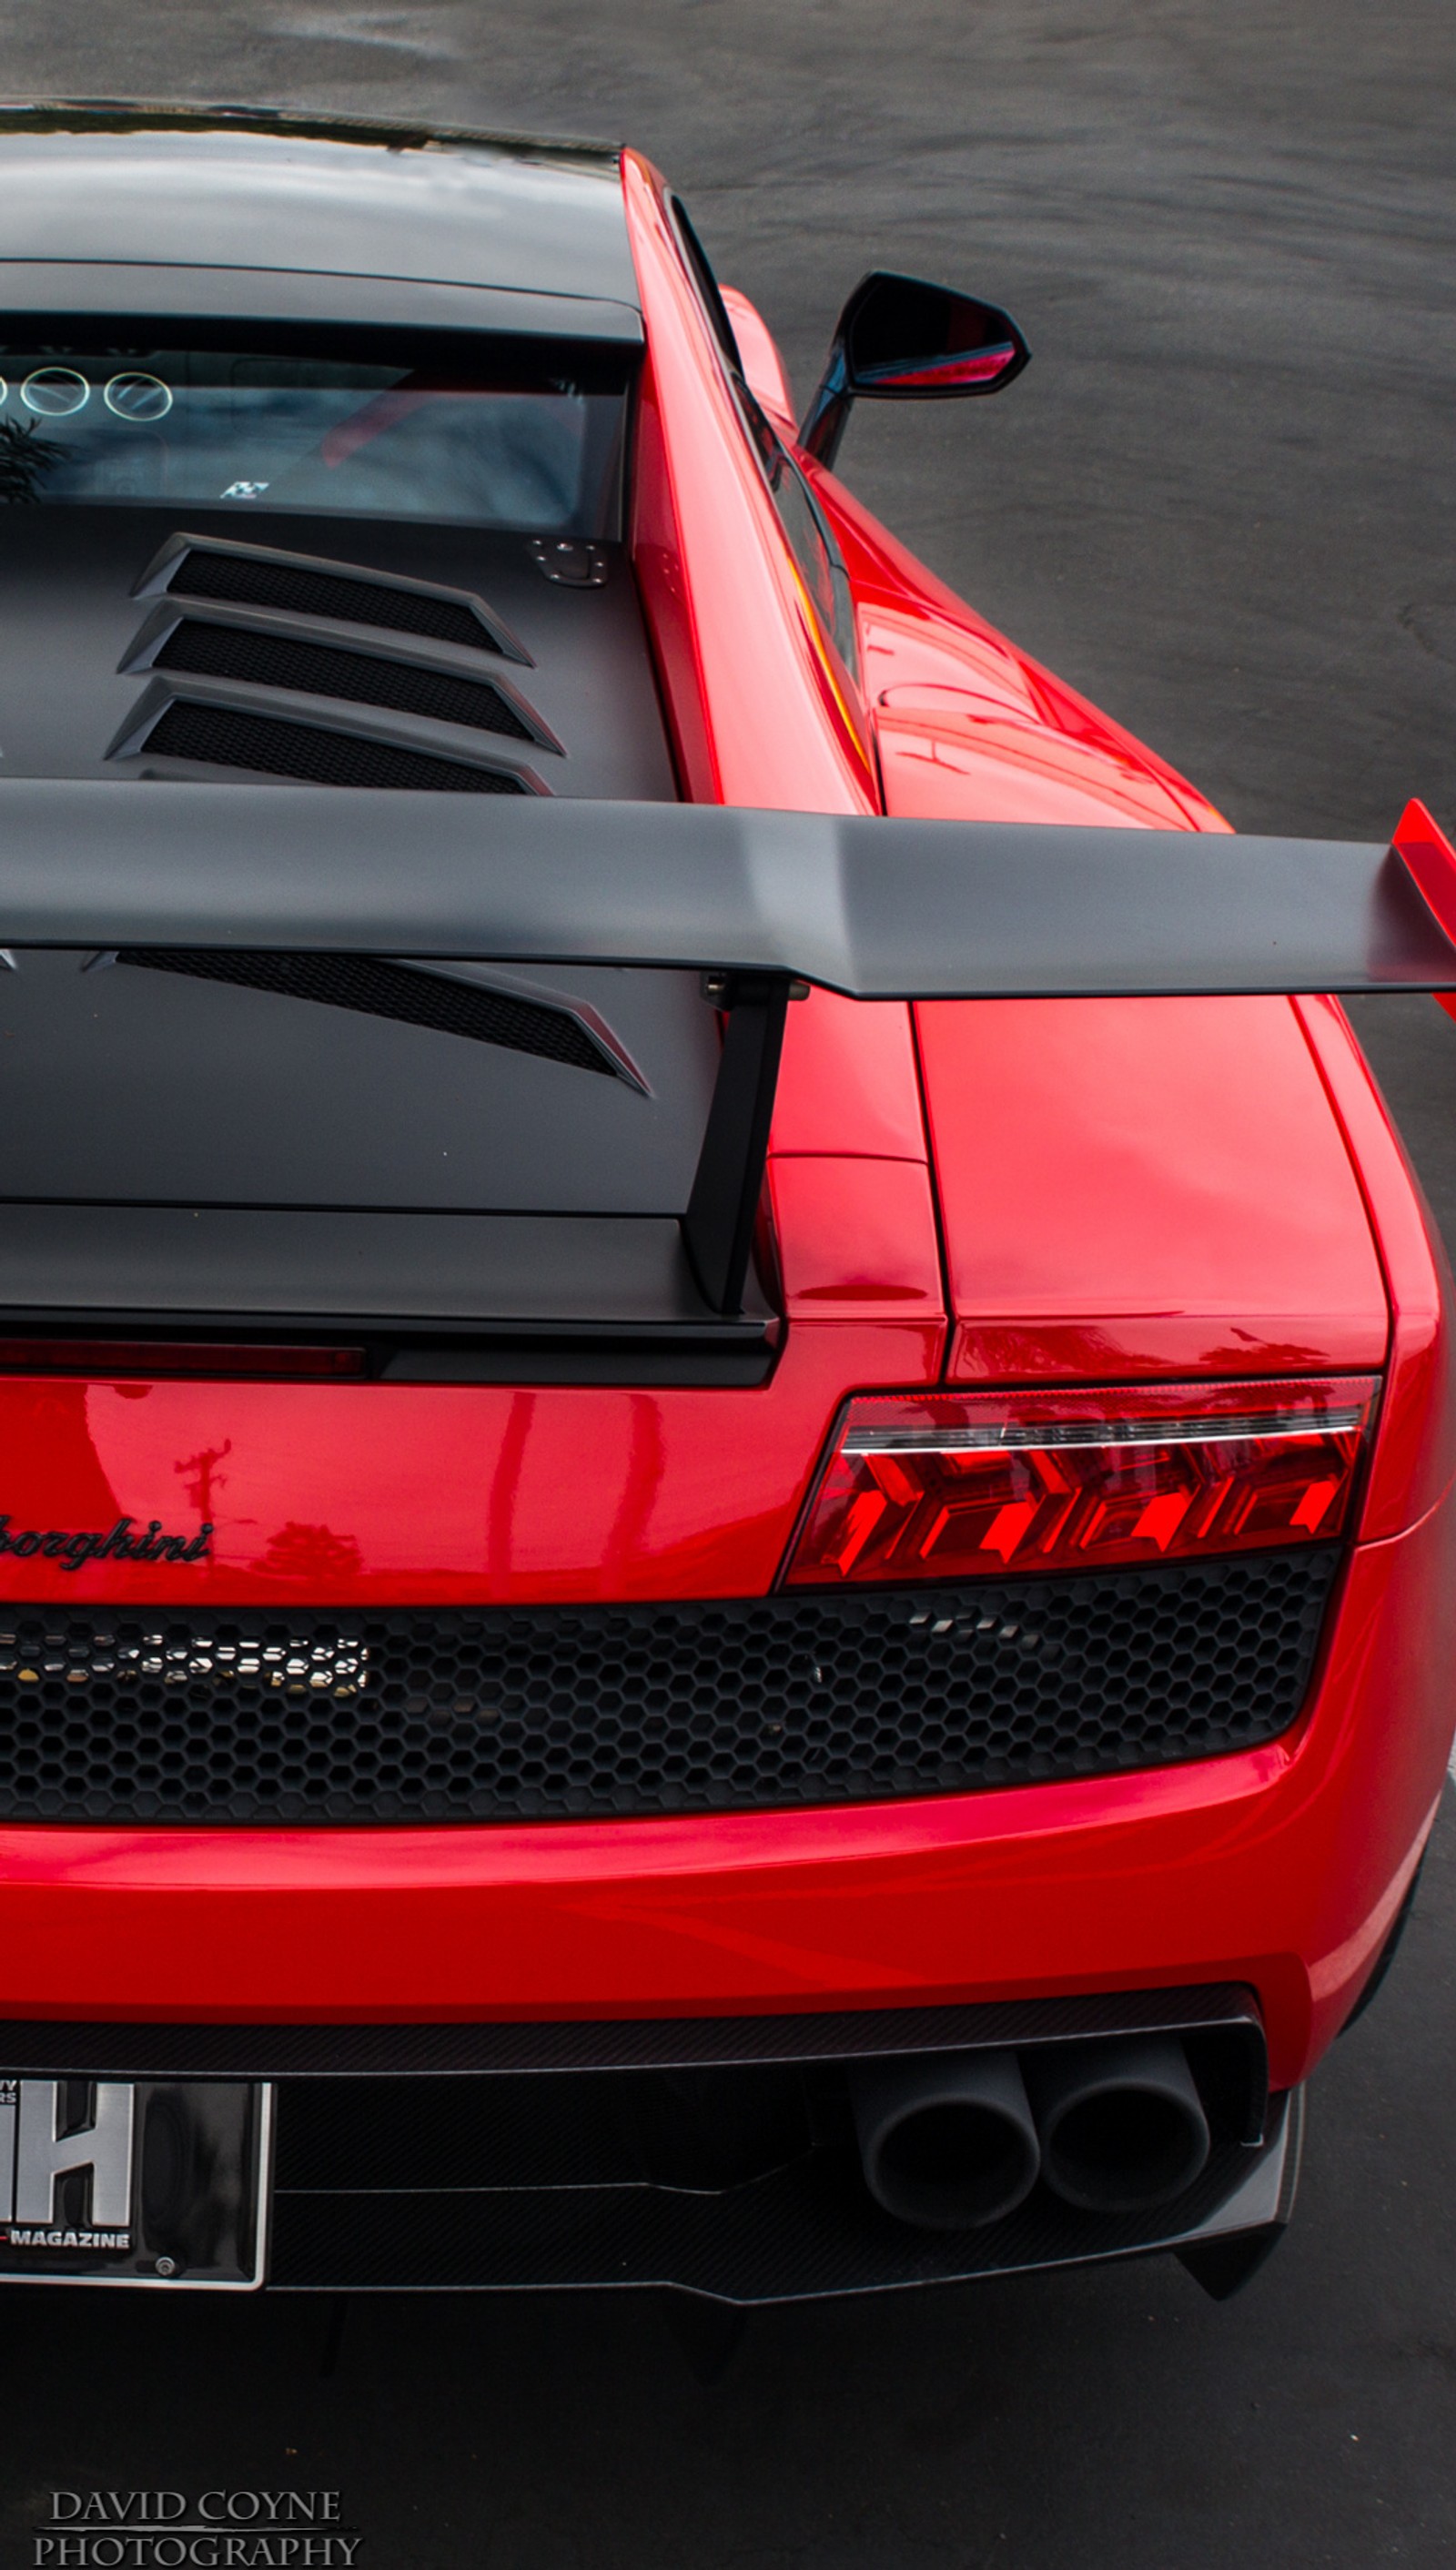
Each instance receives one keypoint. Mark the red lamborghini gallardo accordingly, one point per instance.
(727, 1435)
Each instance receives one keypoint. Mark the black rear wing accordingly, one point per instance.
(762, 904)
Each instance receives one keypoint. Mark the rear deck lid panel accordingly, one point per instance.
(77, 616)
(142, 1086)
(344, 1494)
(1144, 1186)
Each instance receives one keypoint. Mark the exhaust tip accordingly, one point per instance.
(1122, 2125)
(946, 2142)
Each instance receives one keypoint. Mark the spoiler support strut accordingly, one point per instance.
(717, 1227)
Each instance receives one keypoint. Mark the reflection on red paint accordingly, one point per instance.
(51, 1472)
(201, 1477)
(1077, 1212)
(1053, 757)
(426, 1494)
(311, 1558)
(981, 367)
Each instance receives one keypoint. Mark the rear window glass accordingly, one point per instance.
(467, 432)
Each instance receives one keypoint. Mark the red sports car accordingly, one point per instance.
(727, 1482)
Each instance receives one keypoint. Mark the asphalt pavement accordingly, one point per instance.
(1220, 502)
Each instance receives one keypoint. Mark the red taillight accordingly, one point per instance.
(952, 1486)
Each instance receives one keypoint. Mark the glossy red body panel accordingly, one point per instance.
(856, 1240)
(848, 1080)
(1133, 1191)
(764, 369)
(1151, 1187)
(1431, 859)
(760, 711)
(1280, 1868)
(969, 727)
(427, 1493)
(1415, 1455)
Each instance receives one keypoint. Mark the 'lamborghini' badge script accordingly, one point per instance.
(73, 1551)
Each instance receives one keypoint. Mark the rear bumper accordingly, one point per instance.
(1279, 1870)
(717, 2156)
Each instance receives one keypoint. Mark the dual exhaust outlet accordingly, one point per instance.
(953, 2140)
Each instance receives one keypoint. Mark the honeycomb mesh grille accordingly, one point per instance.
(225, 738)
(323, 670)
(231, 1715)
(379, 990)
(293, 589)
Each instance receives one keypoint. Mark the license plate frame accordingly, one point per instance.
(160, 2183)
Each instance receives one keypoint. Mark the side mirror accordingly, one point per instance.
(900, 340)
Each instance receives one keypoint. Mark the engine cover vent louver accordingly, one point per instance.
(298, 589)
(327, 669)
(221, 737)
(381, 990)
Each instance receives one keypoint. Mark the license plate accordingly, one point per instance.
(133, 2181)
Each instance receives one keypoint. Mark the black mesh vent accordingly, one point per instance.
(323, 670)
(225, 738)
(295, 591)
(231, 1715)
(379, 990)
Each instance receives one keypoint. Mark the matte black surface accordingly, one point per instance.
(471, 213)
(708, 2127)
(803, 2231)
(710, 1351)
(880, 909)
(116, 290)
(296, 590)
(743, 2183)
(82, 594)
(169, 1089)
(716, 2155)
(395, 2051)
(718, 1226)
(806, 1699)
(258, 660)
(226, 737)
(372, 989)
(99, 1265)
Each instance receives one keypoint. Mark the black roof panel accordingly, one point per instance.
(236, 188)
